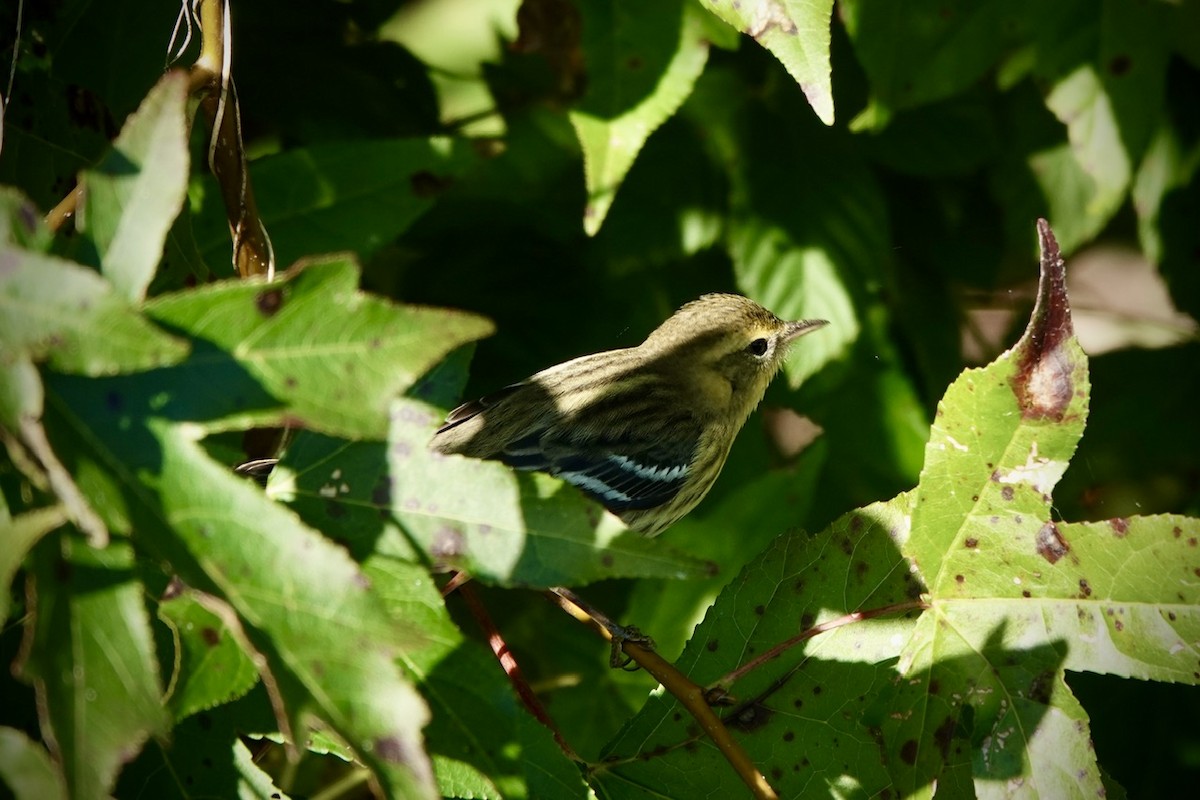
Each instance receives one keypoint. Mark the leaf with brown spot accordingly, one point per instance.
(292, 350)
(796, 33)
(210, 667)
(971, 689)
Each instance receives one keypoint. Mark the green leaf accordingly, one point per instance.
(1106, 598)
(547, 772)
(210, 666)
(91, 660)
(22, 398)
(205, 758)
(799, 716)
(989, 693)
(26, 768)
(499, 526)
(1107, 82)
(1003, 576)
(458, 779)
(253, 783)
(808, 225)
(355, 195)
(642, 62)
(20, 534)
(21, 223)
(651, 230)
(988, 480)
(1166, 168)
(20, 393)
(68, 316)
(225, 534)
(479, 733)
(1074, 200)
(927, 51)
(972, 688)
(309, 345)
(131, 198)
(796, 282)
(797, 33)
(224, 538)
(1003, 437)
(467, 696)
(759, 510)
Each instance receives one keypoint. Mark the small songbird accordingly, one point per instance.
(643, 430)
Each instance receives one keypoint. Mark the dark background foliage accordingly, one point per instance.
(434, 141)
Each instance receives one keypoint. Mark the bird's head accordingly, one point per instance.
(728, 336)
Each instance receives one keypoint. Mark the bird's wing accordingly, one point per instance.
(474, 408)
(622, 475)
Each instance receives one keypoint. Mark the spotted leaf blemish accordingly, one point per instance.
(1050, 543)
(1044, 382)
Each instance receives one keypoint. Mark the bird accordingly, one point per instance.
(643, 430)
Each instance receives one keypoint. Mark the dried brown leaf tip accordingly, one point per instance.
(1044, 382)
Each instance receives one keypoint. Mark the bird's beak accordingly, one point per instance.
(794, 330)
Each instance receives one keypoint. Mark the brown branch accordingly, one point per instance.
(456, 580)
(511, 669)
(58, 216)
(688, 693)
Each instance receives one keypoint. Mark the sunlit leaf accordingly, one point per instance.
(800, 717)
(311, 344)
(478, 727)
(210, 666)
(305, 617)
(642, 61)
(67, 315)
(971, 680)
(1105, 82)
(222, 536)
(20, 535)
(26, 768)
(797, 33)
(131, 198)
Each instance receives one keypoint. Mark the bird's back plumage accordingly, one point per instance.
(609, 438)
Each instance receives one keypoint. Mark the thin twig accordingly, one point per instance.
(6, 98)
(58, 216)
(688, 693)
(456, 580)
(12, 66)
(513, 670)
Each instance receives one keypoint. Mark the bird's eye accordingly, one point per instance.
(758, 347)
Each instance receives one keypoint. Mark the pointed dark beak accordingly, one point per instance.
(795, 330)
